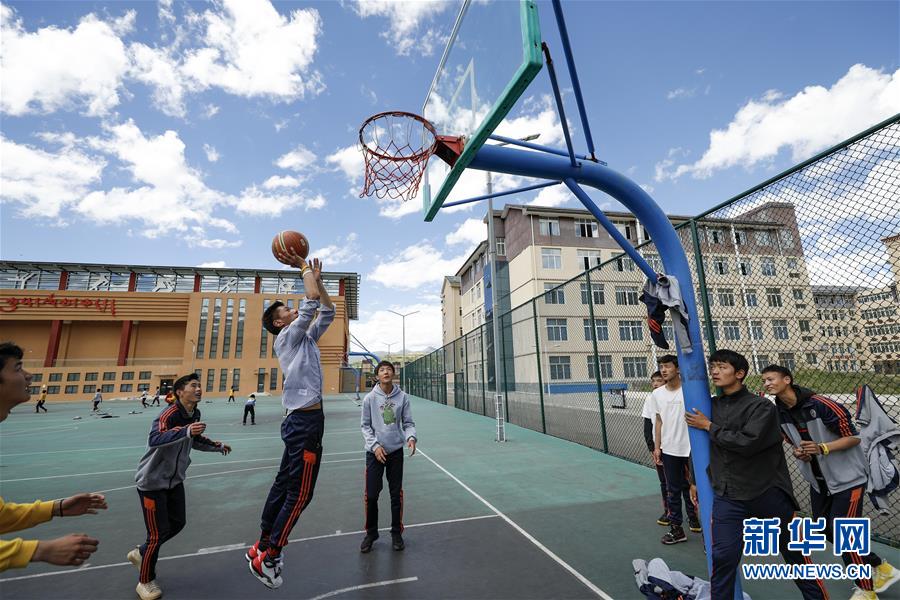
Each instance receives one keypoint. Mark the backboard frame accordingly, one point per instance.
(532, 61)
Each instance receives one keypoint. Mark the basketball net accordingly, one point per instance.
(396, 147)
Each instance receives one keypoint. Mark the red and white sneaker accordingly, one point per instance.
(267, 569)
(252, 552)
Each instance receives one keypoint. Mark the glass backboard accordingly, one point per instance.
(493, 54)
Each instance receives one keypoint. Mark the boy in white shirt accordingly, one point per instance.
(673, 448)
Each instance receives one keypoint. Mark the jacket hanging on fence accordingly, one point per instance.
(665, 294)
(880, 440)
(657, 582)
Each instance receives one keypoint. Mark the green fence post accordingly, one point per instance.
(537, 353)
(466, 369)
(503, 358)
(701, 282)
(483, 377)
(590, 295)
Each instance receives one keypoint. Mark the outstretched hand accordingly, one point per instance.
(317, 269)
(83, 504)
(72, 549)
(291, 257)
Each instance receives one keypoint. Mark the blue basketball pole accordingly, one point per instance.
(692, 365)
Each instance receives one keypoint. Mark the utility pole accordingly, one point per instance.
(403, 317)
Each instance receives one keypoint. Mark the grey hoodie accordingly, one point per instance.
(394, 408)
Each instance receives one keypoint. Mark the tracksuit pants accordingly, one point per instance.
(249, 410)
(728, 534)
(678, 488)
(164, 517)
(661, 473)
(375, 471)
(844, 504)
(292, 490)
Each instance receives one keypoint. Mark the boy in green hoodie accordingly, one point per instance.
(386, 426)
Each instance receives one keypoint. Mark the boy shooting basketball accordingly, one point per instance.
(296, 346)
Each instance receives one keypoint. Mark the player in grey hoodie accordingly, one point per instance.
(386, 426)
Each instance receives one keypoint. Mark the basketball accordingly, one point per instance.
(286, 241)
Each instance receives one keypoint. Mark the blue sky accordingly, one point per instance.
(189, 133)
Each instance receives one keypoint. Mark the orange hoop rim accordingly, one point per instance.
(416, 156)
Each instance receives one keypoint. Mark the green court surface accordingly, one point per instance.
(535, 517)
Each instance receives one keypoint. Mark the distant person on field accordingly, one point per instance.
(250, 409)
(72, 549)
(231, 395)
(98, 398)
(41, 400)
(649, 416)
(156, 397)
(144, 399)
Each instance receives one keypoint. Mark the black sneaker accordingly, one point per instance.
(694, 525)
(367, 542)
(663, 520)
(675, 535)
(398, 542)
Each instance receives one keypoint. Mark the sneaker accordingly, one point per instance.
(663, 520)
(267, 569)
(675, 535)
(366, 545)
(148, 591)
(134, 556)
(694, 525)
(859, 594)
(885, 576)
(252, 552)
(397, 542)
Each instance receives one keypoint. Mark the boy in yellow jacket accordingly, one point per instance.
(72, 549)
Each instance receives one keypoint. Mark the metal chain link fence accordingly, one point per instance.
(801, 271)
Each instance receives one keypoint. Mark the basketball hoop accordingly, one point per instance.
(396, 146)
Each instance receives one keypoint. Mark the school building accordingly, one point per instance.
(125, 329)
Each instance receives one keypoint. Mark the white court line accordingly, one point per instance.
(587, 582)
(196, 464)
(49, 427)
(250, 439)
(365, 586)
(232, 547)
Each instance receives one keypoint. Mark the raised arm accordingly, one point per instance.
(326, 312)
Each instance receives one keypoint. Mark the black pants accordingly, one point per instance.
(375, 471)
(156, 400)
(292, 490)
(728, 535)
(231, 398)
(678, 488)
(40, 406)
(844, 504)
(164, 517)
(249, 410)
(661, 473)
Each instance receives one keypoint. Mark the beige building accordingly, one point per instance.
(451, 311)
(122, 329)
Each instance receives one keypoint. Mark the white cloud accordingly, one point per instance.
(216, 264)
(378, 328)
(53, 68)
(349, 161)
(408, 32)
(252, 201)
(470, 232)
(811, 120)
(277, 181)
(298, 159)
(42, 183)
(212, 155)
(681, 93)
(414, 267)
(209, 111)
(345, 251)
(159, 69)
(555, 195)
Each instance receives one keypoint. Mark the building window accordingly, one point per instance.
(812, 359)
(756, 330)
(261, 380)
(586, 228)
(798, 294)
(604, 361)
(145, 375)
(786, 238)
(554, 294)
(626, 229)
(716, 236)
(560, 368)
(38, 377)
(127, 375)
(631, 331)
(214, 336)
(273, 379)
(763, 238)
(264, 339)
(804, 326)
(745, 267)
(55, 376)
(625, 264)
(549, 226)
(551, 258)
(223, 380)
(750, 297)
(787, 360)
(780, 329)
(126, 387)
(71, 389)
(773, 297)
(714, 326)
(109, 376)
(726, 297)
(596, 292)
(52, 389)
(13, 279)
(107, 388)
(73, 377)
(501, 246)
(767, 266)
(601, 329)
(89, 388)
(732, 331)
(762, 361)
(236, 379)
(143, 387)
(792, 264)
(740, 237)
(626, 295)
(229, 318)
(557, 330)
(239, 342)
(201, 332)
(588, 258)
(478, 291)
(210, 379)
(720, 265)
(635, 367)
(655, 263)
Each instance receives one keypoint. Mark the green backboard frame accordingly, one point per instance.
(532, 61)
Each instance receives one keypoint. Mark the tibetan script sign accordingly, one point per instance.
(12, 303)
